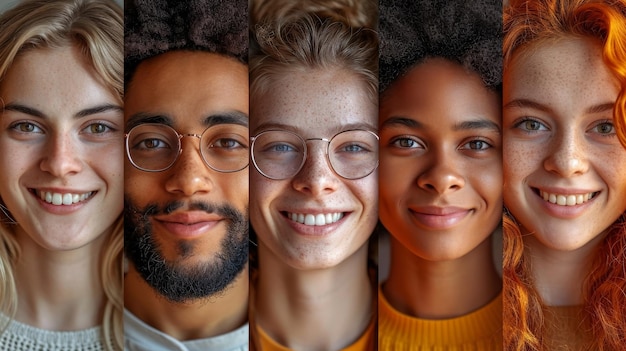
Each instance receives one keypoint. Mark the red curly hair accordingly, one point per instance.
(530, 22)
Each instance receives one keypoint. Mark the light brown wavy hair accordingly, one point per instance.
(96, 27)
(526, 23)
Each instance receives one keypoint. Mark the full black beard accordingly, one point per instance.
(182, 284)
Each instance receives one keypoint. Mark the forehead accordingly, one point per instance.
(317, 101)
(568, 72)
(54, 80)
(187, 87)
(439, 92)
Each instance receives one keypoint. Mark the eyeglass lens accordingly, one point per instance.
(155, 147)
(281, 154)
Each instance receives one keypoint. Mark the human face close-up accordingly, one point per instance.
(314, 104)
(440, 160)
(189, 221)
(61, 148)
(564, 169)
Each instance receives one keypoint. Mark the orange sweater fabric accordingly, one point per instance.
(364, 343)
(480, 330)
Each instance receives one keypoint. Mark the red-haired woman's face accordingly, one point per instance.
(440, 160)
(564, 168)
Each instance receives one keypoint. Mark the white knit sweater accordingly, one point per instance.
(22, 337)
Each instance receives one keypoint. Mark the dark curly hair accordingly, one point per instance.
(154, 27)
(466, 32)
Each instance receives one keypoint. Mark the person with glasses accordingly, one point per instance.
(441, 174)
(186, 176)
(61, 184)
(313, 199)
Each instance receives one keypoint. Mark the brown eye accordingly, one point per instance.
(97, 128)
(26, 127)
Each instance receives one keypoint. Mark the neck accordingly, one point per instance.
(190, 320)
(59, 290)
(441, 289)
(559, 275)
(334, 302)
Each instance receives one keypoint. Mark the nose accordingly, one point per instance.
(189, 175)
(566, 155)
(442, 175)
(316, 177)
(62, 157)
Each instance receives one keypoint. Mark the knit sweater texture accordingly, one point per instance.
(22, 337)
(480, 330)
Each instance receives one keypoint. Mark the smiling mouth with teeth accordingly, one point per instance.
(315, 219)
(60, 199)
(566, 199)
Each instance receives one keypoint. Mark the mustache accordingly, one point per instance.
(152, 209)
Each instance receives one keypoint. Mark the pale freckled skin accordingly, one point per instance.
(567, 77)
(59, 83)
(315, 104)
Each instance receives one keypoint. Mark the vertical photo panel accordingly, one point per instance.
(186, 175)
(313, 178)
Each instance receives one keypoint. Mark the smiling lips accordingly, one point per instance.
(315, 219)
(567, 199)
(190, 224)
(439, 217)
(60, 199)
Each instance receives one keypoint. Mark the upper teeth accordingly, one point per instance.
(566, 200)
(63, 199)
(315, 219)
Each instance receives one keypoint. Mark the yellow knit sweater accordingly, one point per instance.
(480, 330)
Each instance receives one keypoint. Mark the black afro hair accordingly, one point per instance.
(466, 32)
(153, 27)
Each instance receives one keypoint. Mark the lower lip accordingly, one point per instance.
(565, 212)
(315, 230)
(62, 209)
(190, 231)
(439, 222)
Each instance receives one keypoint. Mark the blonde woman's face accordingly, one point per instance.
(564, 168)
(61, 149)
(316, 218)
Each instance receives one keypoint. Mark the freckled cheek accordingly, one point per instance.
(366, 192)
(520, 160)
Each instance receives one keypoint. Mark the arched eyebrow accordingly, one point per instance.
(401, 122)
(80, 114)
(478, 124)
(527, 103)
(230, 117)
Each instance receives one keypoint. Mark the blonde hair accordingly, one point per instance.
(322, 39)
(96, 27)
(526, 23)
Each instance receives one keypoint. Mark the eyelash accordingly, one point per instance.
(605, 122)
(518, 125)
(107, 126)
(16, 127)
(489, 145)
(395, 142)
